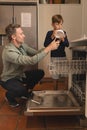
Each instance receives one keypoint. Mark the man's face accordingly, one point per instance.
(57, 26)
(19, 36)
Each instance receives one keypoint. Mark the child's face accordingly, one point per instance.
(57, 26)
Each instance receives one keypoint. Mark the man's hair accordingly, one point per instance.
(10, 30)
(57, 18)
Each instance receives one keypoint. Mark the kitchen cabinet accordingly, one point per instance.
(31, 30)
(16, 14)
(6, 17)
(85, 17)
(72, 15)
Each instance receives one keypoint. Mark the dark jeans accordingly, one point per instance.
(15, 87)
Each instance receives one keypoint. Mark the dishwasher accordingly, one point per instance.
(64, 102)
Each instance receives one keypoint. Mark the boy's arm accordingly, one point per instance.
(65, 42)
(48, 39)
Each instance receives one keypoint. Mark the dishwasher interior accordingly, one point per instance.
(63, 102)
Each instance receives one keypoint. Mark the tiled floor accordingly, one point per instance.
(14, 118)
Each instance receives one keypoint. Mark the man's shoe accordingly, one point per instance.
(12, 103)
(24, 97)
(30, 95)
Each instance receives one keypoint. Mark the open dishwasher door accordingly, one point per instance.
(53, 103)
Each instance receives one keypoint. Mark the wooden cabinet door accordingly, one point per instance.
(26, 16)
(6, 17)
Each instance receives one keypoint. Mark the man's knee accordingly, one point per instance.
(21, 91)
(41, 73)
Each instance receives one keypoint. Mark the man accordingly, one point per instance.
(15, 56)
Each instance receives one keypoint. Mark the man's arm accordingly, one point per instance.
(16, 58)
(31, 51)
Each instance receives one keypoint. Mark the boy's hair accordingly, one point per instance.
(10, 30)
(57, 18)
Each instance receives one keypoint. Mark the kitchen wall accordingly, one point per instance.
(75, 18)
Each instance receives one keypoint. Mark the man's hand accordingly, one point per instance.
(52, 46)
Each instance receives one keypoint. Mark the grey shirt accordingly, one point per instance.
(14, 60)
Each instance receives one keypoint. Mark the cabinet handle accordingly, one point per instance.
(14, 20)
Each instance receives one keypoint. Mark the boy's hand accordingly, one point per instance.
(54, 34)
(59, 34)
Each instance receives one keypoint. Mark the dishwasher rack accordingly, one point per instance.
(64, 66)
(75, 68)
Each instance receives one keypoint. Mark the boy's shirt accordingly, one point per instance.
(60, 51)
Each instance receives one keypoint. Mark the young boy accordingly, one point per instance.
(57, 22)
